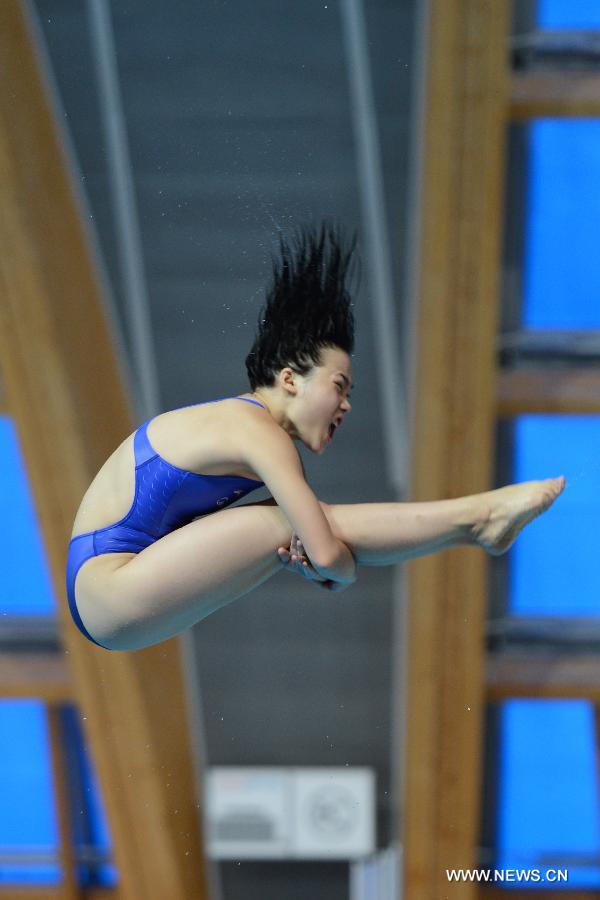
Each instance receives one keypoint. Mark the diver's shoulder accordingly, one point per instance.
(257, 425)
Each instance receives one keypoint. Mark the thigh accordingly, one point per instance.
(210, 557)
(184, 576)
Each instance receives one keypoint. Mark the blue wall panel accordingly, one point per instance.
(553, 567)
(548, 808)
(27, 817)
(561, 283)
(568, 14)
(25, 586)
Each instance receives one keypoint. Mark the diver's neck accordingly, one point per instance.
(277, 407)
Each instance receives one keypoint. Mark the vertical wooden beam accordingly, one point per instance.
(62, 385)
(466, 103)
(71, 890)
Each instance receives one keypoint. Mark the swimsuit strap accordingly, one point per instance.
(248, 400)
(143, 449)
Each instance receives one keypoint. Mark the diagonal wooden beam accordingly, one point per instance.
(455, 404)
(62, 385)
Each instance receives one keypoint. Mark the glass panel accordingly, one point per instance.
(568, 14)
(552, 564)
(561, 278)
(25, 587)
(27, 819)
(548, 798)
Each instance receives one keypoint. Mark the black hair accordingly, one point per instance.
(308, 306)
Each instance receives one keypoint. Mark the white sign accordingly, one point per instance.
(316, 812)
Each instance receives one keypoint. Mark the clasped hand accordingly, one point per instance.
(295, 559)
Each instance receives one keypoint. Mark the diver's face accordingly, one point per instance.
(322, 399)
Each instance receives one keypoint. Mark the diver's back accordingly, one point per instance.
(203, 438)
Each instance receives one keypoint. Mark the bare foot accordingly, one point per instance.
(506, 511)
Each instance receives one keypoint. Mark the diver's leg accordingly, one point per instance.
(380, 534)
(189, 573)
(195, 570)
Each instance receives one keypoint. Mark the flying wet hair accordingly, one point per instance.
(308, 305)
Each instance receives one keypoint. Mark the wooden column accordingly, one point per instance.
(71, 890)
(62, 385)
(455, 407)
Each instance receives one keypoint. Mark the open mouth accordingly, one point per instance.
(332, 429)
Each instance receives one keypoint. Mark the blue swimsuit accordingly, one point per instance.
(165, 498)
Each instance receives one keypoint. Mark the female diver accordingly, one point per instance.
(154, 547)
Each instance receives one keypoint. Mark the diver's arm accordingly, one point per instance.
(270, 452)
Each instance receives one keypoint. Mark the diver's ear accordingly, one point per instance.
(288, 380)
